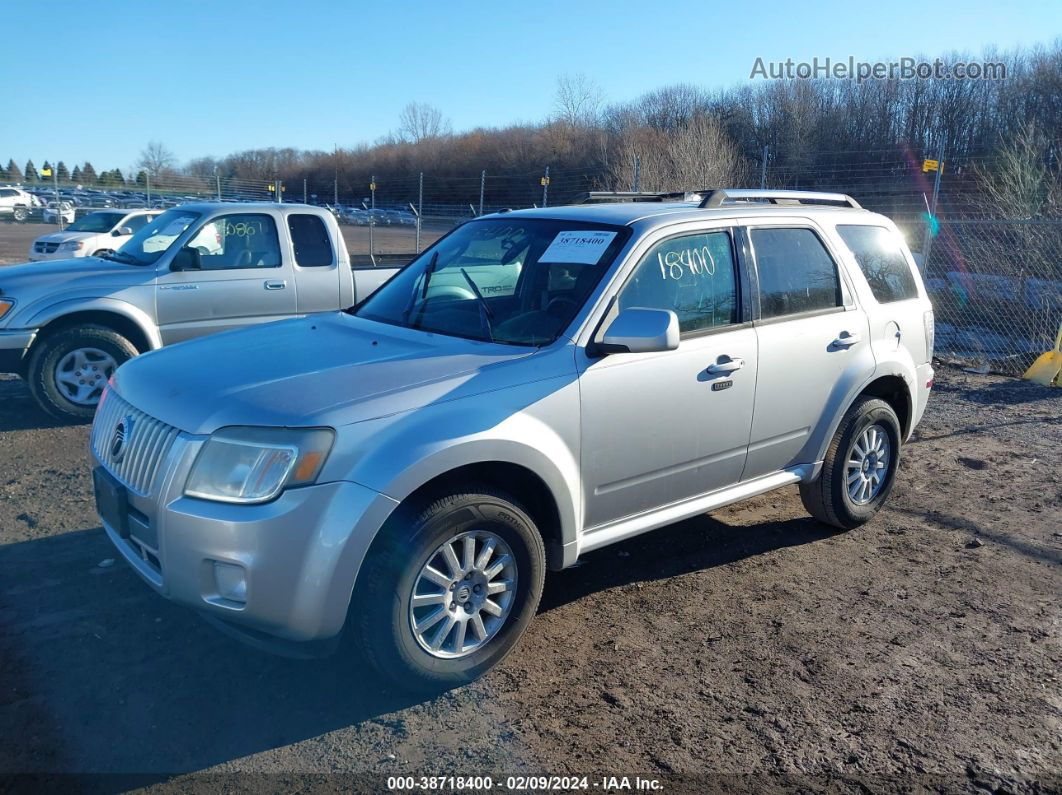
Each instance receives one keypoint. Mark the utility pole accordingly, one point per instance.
(545, 188)
(58, 205)
(482, 188)
(420, 206)
(927, 240)
(763, 169)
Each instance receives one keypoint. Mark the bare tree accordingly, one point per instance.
(577, 100)
(420, 121)
(156, 159)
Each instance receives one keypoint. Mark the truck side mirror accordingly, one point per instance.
(121, 231)
(186, 259)
(637, 330)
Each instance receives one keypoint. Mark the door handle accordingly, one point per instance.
(846, 340)
(275, 285)
(724, 364)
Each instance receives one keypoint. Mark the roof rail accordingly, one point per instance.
(610, 196)
(718, 198)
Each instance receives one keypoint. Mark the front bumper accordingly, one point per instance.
(37, 256)
(14, 345)
(298, 555)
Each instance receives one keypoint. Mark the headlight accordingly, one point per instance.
(5, 306)
(248, 465)
(72, 245)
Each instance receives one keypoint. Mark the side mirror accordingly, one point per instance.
(642, 331)
(122, 231)
(186, 259)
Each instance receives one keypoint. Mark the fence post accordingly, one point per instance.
(147, 186)
(304, 196)
(335, 181)
(482, 188)
(372, 216)
(763, 169)
(420, 206)
(545, 188)
(217, 180)
(637, 184)
(927, 240)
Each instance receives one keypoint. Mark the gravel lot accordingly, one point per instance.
(746, 649)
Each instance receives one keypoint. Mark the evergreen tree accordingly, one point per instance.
(117, 178)
(88, 173)
(141, 178)
(61, 172)
(75, 175)
(3, 174)
(13, 173)
(31, 172)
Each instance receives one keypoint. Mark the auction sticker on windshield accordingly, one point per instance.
(578, 247)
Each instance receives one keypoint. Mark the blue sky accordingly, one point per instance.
(96, 81)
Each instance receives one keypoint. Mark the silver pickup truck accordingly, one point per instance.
(66, 325)
(537, 385)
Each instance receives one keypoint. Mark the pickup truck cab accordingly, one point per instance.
(66, 325)
(96, 234)
(408, 469)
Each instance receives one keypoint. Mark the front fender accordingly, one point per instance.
(42, 316)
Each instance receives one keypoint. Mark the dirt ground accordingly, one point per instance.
(15, 239)
(749, 649)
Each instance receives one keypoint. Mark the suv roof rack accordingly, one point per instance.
(612, 196)
(719, 198)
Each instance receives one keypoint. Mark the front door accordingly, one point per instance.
(660, 428)
(242, 280)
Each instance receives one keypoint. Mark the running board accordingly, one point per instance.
(625, 528)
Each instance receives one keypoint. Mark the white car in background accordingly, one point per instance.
(56, 210)
(16, 203)
(95, 234)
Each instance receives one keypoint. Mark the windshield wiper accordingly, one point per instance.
(432, 263)
(125, 259)
(484, 308)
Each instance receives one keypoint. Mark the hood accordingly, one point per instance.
(329, 370)
(52, 277)
(63, 237)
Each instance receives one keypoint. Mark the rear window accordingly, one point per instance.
(309, 237)
(881, 259)
(796, 272)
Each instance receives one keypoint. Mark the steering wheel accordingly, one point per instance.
(562, 299)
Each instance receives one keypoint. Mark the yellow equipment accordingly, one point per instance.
(1046, 368)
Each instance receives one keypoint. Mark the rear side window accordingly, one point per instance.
(796, 272)
(881, 259)
(691, 274)
(309, 237)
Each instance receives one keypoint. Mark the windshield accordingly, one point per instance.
(151, 242)
(96, 222)
(518, 281)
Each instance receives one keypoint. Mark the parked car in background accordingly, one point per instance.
(59, 209)
(401, 217)
(16, 204)
(66, 325)
(356, 217)
(95, 234)
(407, 471)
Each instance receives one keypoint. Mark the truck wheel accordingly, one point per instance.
(448, 589)
(20, 214)
(859, 469)
(68, 370)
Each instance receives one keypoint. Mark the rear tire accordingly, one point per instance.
(383, 621)
(56, 369)
(20, 214)
(845, 495)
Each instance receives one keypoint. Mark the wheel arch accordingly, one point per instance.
(126, 321)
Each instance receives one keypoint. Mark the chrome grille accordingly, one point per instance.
(142, 448)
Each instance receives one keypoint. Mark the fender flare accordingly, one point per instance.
(65, 308)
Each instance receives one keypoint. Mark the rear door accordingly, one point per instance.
(316, 265)
(813, 340)
(244, 279)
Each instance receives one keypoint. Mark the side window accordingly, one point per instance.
(136, 223)
(881, 259)
(7, 193)
(237, 241)
(309, 238)
(691, 274)
(796, 272)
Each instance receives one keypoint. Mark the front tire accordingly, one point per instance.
(69, 369)
(860, 467)
(447, 589)
(20, 214)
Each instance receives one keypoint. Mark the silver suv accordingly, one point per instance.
(536, 385)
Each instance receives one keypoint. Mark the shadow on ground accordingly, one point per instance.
(103, 675)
